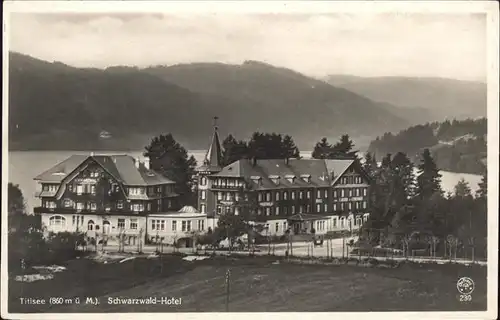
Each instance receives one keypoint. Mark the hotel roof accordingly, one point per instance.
(121, 167)
(292, 174)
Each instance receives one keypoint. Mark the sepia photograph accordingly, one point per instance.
(319, 158)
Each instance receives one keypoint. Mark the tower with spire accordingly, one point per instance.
(212, 163)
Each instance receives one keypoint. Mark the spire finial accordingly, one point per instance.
(215, 122)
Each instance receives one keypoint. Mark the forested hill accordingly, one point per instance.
(434, 99)
(458, 146)
(59, 107)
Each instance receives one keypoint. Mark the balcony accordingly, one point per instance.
(88, 211)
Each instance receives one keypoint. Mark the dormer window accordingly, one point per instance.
(290, 178)
(275, 179)
(306, 178)
(256, 179)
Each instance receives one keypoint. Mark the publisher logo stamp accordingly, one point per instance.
(465, 285)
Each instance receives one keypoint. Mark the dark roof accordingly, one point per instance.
(322, 173)
(121, 167)
(213, 158)
(58, 172)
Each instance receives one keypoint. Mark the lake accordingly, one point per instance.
(25, 165)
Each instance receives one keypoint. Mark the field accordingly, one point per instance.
(257, 285)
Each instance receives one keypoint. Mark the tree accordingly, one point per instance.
(171, 159)
(429, 178)
(16, 206)
(233, 150)
(483, 187)
(462, 189)
(370, 164)
(402, 172)
(343, 148)
(289, 149)
(272, 146)
(322, 149)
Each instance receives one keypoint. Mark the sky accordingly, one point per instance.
(421, 45)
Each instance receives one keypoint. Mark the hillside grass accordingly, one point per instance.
(257, 285)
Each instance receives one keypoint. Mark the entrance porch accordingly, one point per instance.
(303, 223)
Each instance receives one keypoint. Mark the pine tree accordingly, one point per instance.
(322, 149)
(233, 150)
(290, 150)
(402, 169)
(370, 164)
(462, 189)
(429, 178)
(483, 187)
(171, 159)
(343, 148)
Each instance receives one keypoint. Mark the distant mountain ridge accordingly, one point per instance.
(58, 107)
(440, 98)
(54, 106)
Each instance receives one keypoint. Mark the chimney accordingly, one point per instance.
(136, 162)
(146, 163)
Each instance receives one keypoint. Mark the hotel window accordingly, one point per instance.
(293, 195)
(237, 196)
(228, 210)
(67, 203)
(70, 188)
(268, 196)
(188, 225)
(121, 223)
(293, 209)
(277, 227)
(326, 194)
(334, 222)
(259, 211)
(149, 207)
(203, 208)
(308, 194)
(228, 196)
(219, 209)
(79, 189)
(219, 195)
(342, 206)
(285, 210)
(335, 193)
(364, 192)
(342, 193)
(203, 195)
(133, 224)
(301, 209)
(203, 181)
(93, 206)
(349, 193)
(318, 207)
(119, 204)
(92, 189)
(268, 211)
(350, 205)
(158, 190)
(318, 194)
(74, 220)
(153, 224)
(183, 225)
(174, 225)
(301, 194)
(277, 196)
(342, 222)
(58, 221)
(79, 206)
(308, 208)
(285, 195)
(364, 204)
(277, 210)
(201, 225)
(325, 207)
(260, 197)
